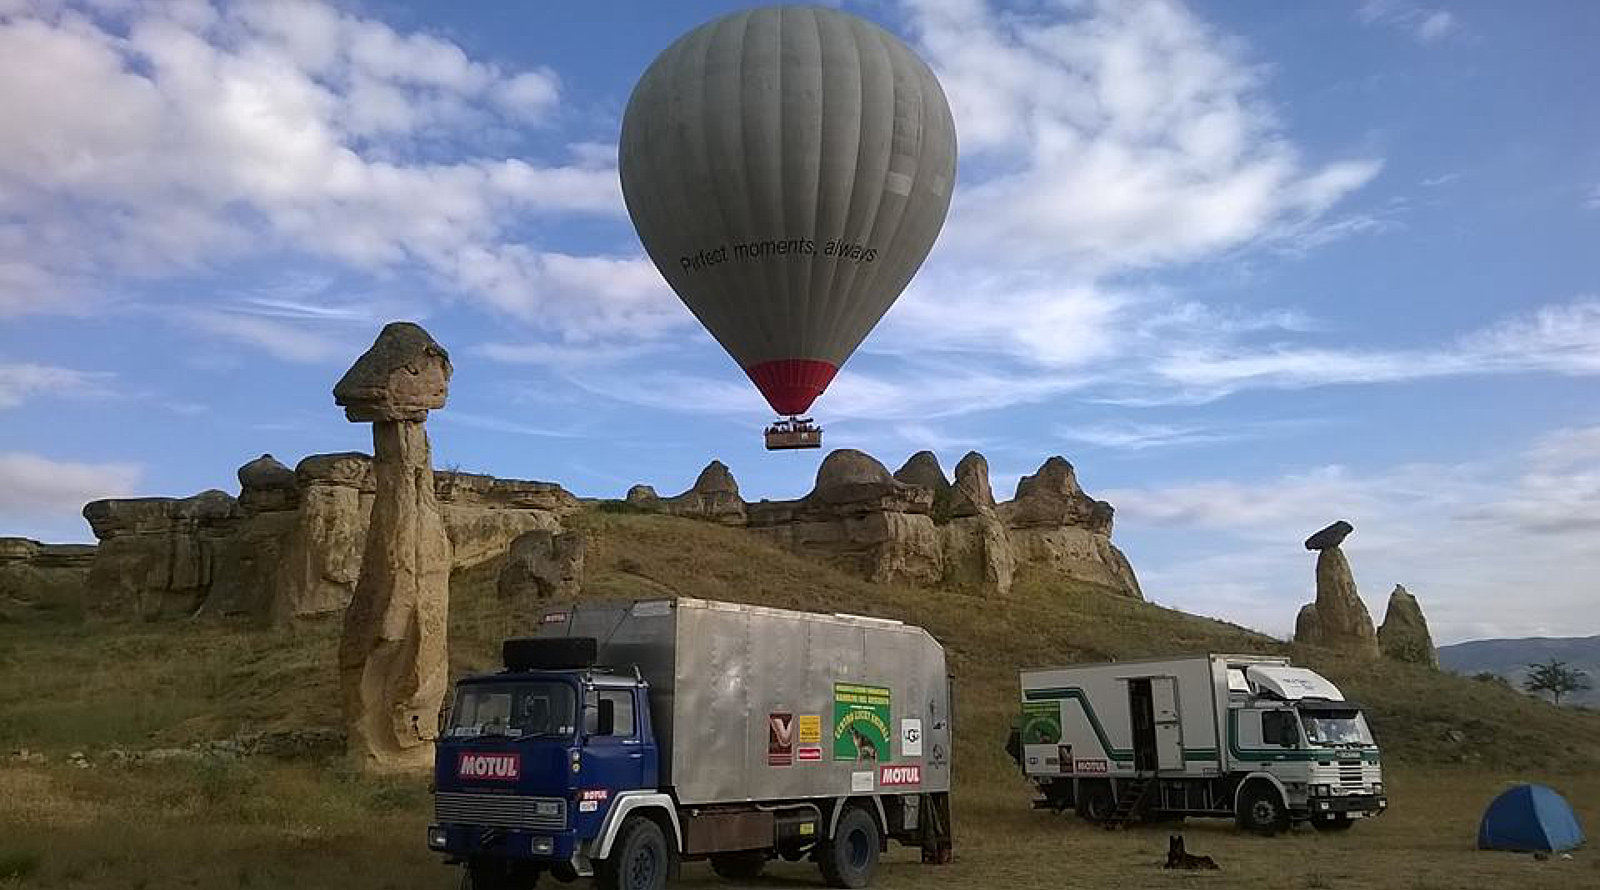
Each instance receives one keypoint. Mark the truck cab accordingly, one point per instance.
(529, 767)
(1294, 728)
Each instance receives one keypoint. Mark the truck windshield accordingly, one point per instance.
(1329, 727)
(516, 710)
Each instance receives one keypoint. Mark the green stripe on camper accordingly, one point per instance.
(1073, 693)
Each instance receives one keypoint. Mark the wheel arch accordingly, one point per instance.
(876, 810)
(1255, 780)
(658, 807)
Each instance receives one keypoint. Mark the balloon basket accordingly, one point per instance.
(796, 432)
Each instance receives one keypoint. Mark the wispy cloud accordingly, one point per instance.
(1444, 530)
(1427, 24)
(49, 493)
(20, 382)
(501, 425)
(284, 340)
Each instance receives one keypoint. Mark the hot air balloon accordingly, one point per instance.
(788, 169)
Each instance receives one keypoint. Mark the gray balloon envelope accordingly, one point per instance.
(788, 169)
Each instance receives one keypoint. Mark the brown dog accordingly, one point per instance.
(1178, 857)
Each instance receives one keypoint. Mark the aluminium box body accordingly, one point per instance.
(758, 704)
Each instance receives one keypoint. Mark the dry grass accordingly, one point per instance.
(75, 685)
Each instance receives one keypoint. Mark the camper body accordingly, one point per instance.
(1249, 737)
(625, 738)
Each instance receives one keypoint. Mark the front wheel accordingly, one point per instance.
(852, 856)
(1261, 810)
(639, 859)
(1332, 823)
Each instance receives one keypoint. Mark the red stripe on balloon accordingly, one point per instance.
(792, 384)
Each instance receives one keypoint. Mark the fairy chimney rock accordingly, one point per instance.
(402, 377)
(1404, 634)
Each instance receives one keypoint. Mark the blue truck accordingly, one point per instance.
(624, 739)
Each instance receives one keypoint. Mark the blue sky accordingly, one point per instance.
(1251, 267)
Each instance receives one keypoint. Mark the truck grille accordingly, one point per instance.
(499, 811)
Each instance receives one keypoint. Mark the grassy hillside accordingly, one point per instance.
(76, 684)
(67, 684)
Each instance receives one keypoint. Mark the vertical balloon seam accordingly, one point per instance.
(804, 348)
(730, 134)
(827, 296)
(827, 210)
(778, 270)
(839, 326)
(870, 198)
(752, 158)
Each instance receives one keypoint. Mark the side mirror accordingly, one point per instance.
(606, 717)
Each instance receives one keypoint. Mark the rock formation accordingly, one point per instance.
(1338, 620)
(156, 555)
(393, 658)
(922, 470)
(714, 496)
(543, 565)
(859, 518)
(1053, 525)
(1404, 634)
(976, 550)
(47, 575)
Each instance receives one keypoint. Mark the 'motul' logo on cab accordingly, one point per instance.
(900, 775)
(505, 767)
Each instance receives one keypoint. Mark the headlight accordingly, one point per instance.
(438, 838)
(542, 846)
(1377, 787)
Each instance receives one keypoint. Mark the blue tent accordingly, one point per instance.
(1529, 818)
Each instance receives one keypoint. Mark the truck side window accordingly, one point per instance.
(621, 700)
(1278, 728)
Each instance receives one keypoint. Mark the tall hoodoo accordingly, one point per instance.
(393, 658)
(788, 169)
(1338, 619)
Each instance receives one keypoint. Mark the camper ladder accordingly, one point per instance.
(1131, 803)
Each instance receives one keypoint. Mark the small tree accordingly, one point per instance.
(1555, 678)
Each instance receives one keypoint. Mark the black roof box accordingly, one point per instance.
(549, 653)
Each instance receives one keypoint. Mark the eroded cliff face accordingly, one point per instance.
(291, 545)
(916, 527)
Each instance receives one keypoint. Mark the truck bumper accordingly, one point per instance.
(1365, 804)
(462, 842)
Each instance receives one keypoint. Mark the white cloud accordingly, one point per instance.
(1110, 135)
(1470, 540)
(1141, 436)
(20, 382)
(42, 492)
(286, 341)
(151, 139)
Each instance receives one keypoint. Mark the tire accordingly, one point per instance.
(1332, 823)
(851, 857)
(1096, 803)
(639, 860)
(1261, 809)
(742, 866)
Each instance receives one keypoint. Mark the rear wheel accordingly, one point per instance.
(1261, 810)
(852, 856)
(639, 859)
(743, 866)
(1332, 823)
(1096, 803)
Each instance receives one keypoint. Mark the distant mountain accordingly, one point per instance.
(1510, 658)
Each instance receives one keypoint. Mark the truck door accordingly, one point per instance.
(1169, 726)
(614, 754)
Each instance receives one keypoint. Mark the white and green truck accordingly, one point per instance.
(1249, 737)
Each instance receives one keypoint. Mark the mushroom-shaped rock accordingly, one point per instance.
(1404, 634)
(922, 470)
(402, 377)
(972, 494)
(267, 485)
(1332, 536)
(1338, 620)
(850, 477)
